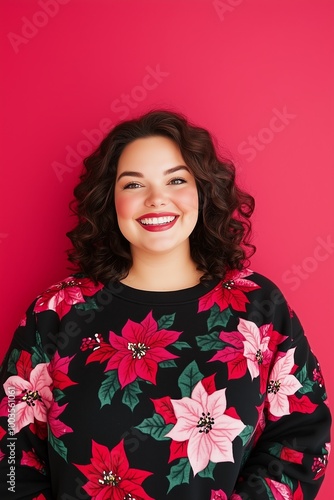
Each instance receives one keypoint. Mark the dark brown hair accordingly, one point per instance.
(220, 239)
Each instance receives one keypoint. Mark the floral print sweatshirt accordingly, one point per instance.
(206, 393)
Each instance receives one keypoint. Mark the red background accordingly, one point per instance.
(233, 66)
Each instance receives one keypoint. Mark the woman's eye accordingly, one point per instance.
(132, 185)
(178, 180)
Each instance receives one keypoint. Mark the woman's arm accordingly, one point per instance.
(290, 456)
(25, 398)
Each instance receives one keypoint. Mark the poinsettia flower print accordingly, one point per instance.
(220, 495)
(229, 292)
(110, 477)
(201, 419)
(33, 396)
(256, 341)
(61, 296)
(57, 427)
(31, 459)
(279, 491)
(282, 384)
(139, 350)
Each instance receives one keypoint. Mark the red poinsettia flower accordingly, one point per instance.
(57, 427)
(101, 349)
(58, 369)
(229, 292)
(320, 463)
(110, 477)
(218, 495)
(61, 296)
(139, 350)
(30, 459)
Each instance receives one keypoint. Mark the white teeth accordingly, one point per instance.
(157, 220)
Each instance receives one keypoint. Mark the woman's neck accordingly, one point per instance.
(162, 273)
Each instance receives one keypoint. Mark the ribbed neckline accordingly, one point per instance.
(126, 292)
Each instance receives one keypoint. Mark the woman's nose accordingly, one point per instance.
(156, 197)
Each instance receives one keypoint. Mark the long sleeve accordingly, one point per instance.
(290, 454)
(25, 397)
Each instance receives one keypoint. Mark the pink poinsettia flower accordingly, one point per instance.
(282, 384)
(63, 295)
(109, 476)
(33, 396)
(250, 348)
(256, 341)
(201, 419)
(229, 292)
(139, 350)
(279, 491)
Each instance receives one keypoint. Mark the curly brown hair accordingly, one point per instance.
(220, 240)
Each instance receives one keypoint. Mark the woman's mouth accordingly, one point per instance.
(158, 223)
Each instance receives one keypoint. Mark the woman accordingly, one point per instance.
(166, 369)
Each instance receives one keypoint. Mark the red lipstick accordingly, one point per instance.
(147, 221)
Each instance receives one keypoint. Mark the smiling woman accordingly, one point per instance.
(150, 373)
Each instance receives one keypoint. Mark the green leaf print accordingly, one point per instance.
(303, 378)
(170, 363)
(166, 321)
(286, 480)
(57, 445)
(90, 303)
(268, 490)
(38, 353)
(246, 434)
(218, 318)
(210, 342)
(130, 397)
(155, 427)
(181, 345)
(58, 394)
(189, 378)
(276, 449)
(13, 358)
(108, 387)
(208, 471)
(179, 474)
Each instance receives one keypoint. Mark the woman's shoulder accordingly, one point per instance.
(63, 294)
(247, 277)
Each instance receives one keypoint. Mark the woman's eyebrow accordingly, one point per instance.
(129, 173)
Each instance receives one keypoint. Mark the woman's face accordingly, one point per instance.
(156, 197)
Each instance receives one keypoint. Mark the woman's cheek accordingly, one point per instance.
(123, 206)
(190, 199)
